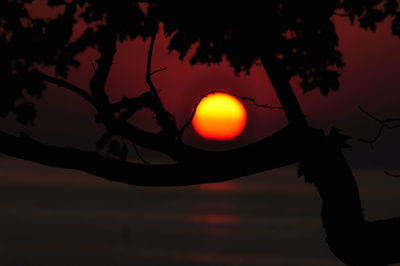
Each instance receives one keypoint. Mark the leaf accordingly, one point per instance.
(55, 2)
(338, 139)
(396, 25)
(181, 42)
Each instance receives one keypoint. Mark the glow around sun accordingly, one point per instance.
(219, 116)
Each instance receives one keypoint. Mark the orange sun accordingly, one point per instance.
(219, 116)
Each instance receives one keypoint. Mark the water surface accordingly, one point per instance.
(60, 217)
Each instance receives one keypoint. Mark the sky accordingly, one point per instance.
(370, 79)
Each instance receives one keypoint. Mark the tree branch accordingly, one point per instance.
(107, 47)
(383, 124)
(251, 100)
(26, 148)
(139, 155)
(134, 104)
(283, 148)
(391, 174)
(149, 61)
(69, 86)
(281, 83)
(158, 71)
(164, 118)
(353, 239)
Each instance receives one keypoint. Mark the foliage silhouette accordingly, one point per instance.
(289, 38)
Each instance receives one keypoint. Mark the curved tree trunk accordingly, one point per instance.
(350, 237)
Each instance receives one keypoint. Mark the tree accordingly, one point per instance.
(289, 39)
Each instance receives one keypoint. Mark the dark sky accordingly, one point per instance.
(370, 79)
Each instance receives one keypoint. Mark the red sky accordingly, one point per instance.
(370, 79)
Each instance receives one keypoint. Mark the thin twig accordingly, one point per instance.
(157, 71)
(186, 125)
(139, 155)
(383, 124)
(249, 99)
(369, 115)
(69, 86)
(392, 175)
(165, 119)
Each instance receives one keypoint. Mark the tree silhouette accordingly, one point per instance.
(288, 38)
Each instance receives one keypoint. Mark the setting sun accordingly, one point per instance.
(219, 116)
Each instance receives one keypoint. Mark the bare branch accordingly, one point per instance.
(69, 86)
(369, 115)
(139, 155)
(131, 106)
(107, 48)
(157, 71)
(164, 118)
(391, 174)
(388, 123)
(149, 61)
(285, 147)
(383, 124)
(134, 104)
(250, 99)
(114, 126)
(187, 124)
(26, 148)
(280, 80)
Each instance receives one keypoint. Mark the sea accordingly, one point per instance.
(61, 217)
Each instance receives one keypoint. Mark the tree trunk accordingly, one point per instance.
(350, 237)
(281, 84)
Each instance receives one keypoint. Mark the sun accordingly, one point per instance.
(219, 116)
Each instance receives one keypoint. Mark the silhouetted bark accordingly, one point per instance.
(281, 83)
(280, 149)
(350, 237)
